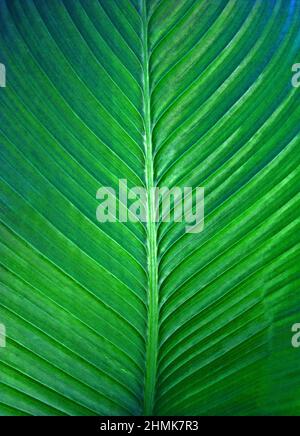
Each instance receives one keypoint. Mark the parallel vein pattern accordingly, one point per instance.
(134, 318)
(73, 293)
(226, 117)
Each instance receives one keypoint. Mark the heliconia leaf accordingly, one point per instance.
(138, 317)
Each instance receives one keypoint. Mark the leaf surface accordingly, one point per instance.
(142, 318)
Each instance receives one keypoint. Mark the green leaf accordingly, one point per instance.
(132, 318)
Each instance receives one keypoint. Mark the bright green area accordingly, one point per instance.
(125, 318)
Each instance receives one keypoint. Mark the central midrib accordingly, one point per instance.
(152, 332)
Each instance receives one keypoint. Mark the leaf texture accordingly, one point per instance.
(131, 318)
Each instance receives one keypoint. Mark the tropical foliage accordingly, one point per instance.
(133, 318)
